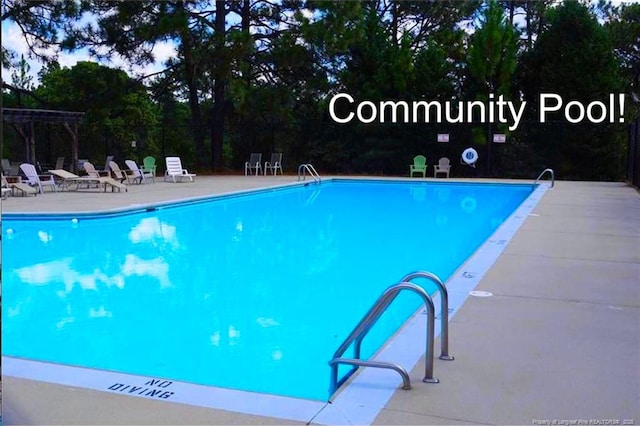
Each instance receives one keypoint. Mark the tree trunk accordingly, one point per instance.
(191, 72)
(217, 129)
(246, 31)
(246, 73)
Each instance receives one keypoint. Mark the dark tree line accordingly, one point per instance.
(257, 76)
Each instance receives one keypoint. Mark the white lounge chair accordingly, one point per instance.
(140, 174)
(92, 172)
(5, 187)
(254, 163)
(35, 180)
(69, 179)
(175, 171)
(11, 187)
(274, 164)
(121, 175)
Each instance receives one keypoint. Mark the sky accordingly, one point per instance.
(13, 39)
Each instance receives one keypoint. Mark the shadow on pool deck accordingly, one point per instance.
(559, 340)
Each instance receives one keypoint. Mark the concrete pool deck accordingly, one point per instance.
(559, 340)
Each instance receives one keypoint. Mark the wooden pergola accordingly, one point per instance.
(23, 121)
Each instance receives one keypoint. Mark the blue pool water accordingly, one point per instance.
(252, 292)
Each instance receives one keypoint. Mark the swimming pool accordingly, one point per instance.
(268, 284)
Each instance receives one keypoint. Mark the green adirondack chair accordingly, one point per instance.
(419, 166)
(149, 165)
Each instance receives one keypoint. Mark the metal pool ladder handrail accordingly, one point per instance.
(444, 310)
(553, 177)
(307, 167)
(369, 320)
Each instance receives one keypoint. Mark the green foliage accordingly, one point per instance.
(20, 77)
(574, 58)
(491, 56)
(433, 71)
(491, 62)
(624, 30)
(385, 50)
(118, 109)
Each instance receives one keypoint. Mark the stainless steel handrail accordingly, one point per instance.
(444, 310)
(312, 171)
(370, 319)
(444, 314)
(406, 381)
(553, 177)
(309, 168)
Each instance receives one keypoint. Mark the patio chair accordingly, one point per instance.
(254, 163)
(80, 163)
(92, 172)
(59, 163)
(419, 166)
(274, 164)
(106, 171)
(149, 165)
(443, 166)
(175, 170)
(36, 180)
(6, 166)
(69, 179)
(10, 168)
(138, 173)
(121, 175)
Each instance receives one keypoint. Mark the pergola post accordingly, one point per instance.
(73, 133)
(31, 142)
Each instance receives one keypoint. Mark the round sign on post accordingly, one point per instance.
(470, 156)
